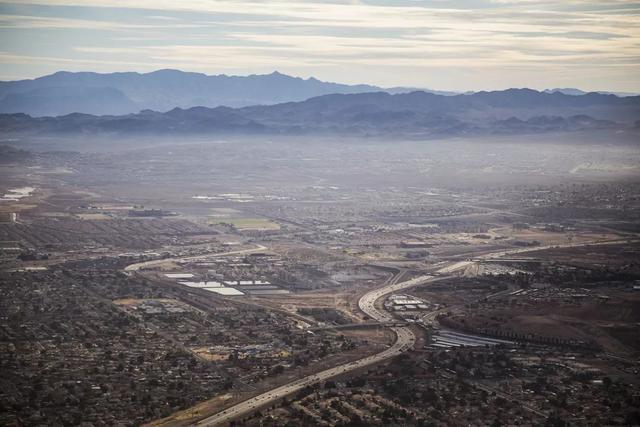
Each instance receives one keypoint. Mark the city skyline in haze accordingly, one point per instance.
(440, 44)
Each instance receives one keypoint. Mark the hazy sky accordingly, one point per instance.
(439, 44)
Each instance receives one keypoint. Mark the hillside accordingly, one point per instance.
(415, 114)
(163, 90)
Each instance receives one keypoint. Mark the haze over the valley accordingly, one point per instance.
(312, 213)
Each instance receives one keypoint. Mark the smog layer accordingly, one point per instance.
(319, 280)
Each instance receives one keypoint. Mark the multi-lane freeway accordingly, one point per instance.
(455, 266)
(405, 339)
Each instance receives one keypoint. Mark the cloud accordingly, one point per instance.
(492, 37)
(40, 22)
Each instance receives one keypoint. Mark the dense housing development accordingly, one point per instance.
(209, 287)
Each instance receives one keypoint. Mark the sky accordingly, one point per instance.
(437, 44)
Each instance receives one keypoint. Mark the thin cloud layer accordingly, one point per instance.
(459, 45)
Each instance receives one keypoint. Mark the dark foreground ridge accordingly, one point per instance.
(414, 114)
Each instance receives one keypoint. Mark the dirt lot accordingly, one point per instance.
(612, 325)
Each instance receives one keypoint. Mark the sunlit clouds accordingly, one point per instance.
(459, 45)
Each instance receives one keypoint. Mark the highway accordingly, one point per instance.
(404, 335)
(405, 339)
(499, 254)
(147, 264)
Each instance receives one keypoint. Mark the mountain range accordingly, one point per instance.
(129, 92)
(122, 93)
(414, 114)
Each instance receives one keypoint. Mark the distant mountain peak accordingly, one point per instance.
(165, 89)
(171, 71)
(162, 90)
(578, 92)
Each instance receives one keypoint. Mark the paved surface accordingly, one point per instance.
(405, 338)
(368, 324)
(404, 341)
(146, 264)
(450, 268)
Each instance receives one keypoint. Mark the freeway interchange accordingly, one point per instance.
(405, 339)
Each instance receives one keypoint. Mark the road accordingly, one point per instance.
(147, 264)
(405, 339)
(499, 254)
(430, 318)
